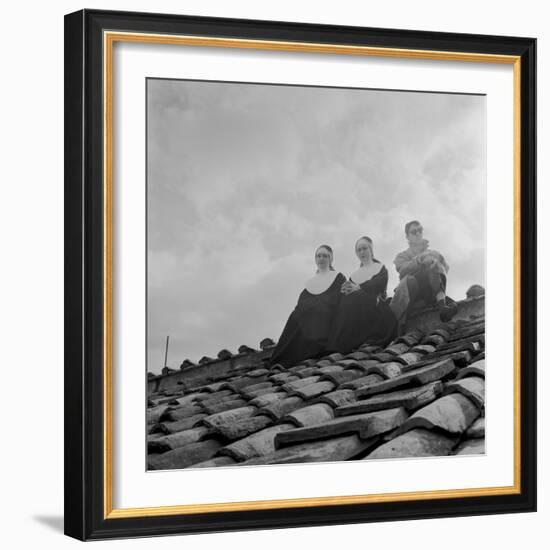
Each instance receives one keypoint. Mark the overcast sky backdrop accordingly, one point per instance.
(245, 181)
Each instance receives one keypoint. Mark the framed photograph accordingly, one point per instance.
(300, 274)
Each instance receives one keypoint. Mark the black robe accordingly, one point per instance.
(307, 329)
(363, 317)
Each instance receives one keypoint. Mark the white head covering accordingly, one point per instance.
(322, 280)
(366, 272)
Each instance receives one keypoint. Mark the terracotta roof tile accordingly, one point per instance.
(267, 343)
(309, 371)
(475, 369)
(357, 355)
(258, 444)
(256, 373)
(227, 419)
(335, 357)
(323, 363)
(385, 370)
(311, 391)
(282, 378)
(278, 409)
(434, 339)
(245, 427)
(177, 413)
(410, 399)
(224, 354)
(476, 338)
(179, 425)
(417, 377)
(310, 415)
(267, 399)
(191, 397)
(383, 356)
(226, 404)
(301, 382)
(342, 377)
(225, 395)
(179, 439)
(471, 447)
(441, 332)
(472, 387)
(330, 369)
(435, 374)
(364, 425)
(364, 381)
(409, 358)
(338, 398)
(423, 349)
(338, 448)
(184, 456)
(415, 443)
(256, 390)
(213, 387)
(475, 329)
(297, 368)
(243, 381)
(203, 396)
(246, 349)
(452, 413)
(462, 345)
(411, 338)
(154, 414)
(216, 461)
(397, 348)
(461, 359)
(363, 364)
(477, 429)
(367, 348)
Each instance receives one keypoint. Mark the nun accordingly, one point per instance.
(307, 329)
(363, 315)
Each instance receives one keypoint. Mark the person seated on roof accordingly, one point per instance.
(306, 331)
(363, 314)
(423, 277)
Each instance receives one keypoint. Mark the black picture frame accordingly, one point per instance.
(86, 512)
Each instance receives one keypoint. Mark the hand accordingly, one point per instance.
(421, 257)
(425, 259)
(428, 260)
(344, 289)
(349, 286)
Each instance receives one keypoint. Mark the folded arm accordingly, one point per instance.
(406, 266)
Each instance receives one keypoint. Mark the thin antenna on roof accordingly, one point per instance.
(166, 351)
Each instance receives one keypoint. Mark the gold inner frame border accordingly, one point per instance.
(109, 39)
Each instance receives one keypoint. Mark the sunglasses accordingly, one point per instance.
(416, 230)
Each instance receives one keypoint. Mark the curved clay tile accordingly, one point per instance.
(266, 343)
(224, 354)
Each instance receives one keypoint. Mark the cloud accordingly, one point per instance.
(245, 181)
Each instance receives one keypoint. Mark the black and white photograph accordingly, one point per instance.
(315, 274)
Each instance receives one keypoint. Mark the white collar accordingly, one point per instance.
(365, 273)
(320, 282)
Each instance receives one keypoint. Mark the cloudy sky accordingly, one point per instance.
(245, 181)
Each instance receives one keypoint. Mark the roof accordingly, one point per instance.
(422, 395)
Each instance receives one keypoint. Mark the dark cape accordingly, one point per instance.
(308, 327)
(364, 316)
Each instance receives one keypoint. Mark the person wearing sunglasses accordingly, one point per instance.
(422, 277)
